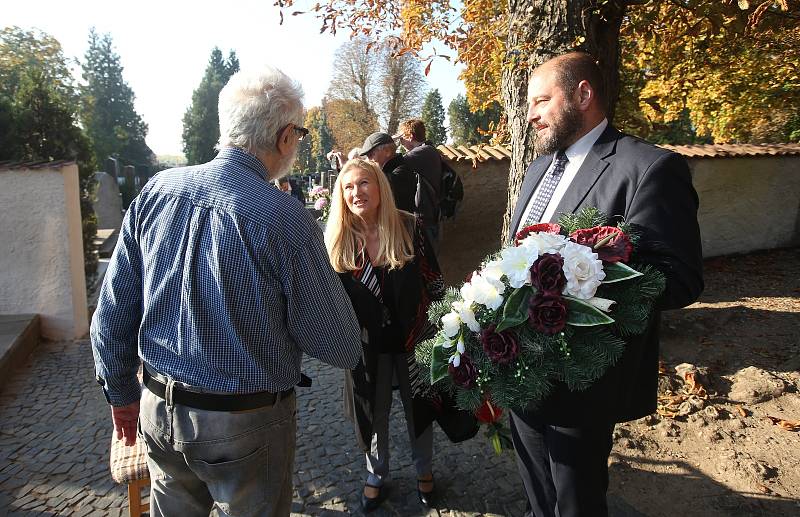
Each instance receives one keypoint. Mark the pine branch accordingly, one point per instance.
(469, 400)
(586, 218)
(590, 355)
(423, 353)
(441, 307)
(631, 231)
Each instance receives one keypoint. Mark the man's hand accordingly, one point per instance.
(125, 419)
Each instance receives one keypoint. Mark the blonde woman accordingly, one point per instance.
(390, 275)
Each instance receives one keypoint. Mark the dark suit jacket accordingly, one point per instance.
(403, 182)
(626, 177)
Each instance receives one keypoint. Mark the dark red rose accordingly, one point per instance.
(500, 347)
(465, 374)
(488, 413)
(534, 228)
(610, 243)
(547, 313)
(547, 273)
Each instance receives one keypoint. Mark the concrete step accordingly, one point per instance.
(19, 335)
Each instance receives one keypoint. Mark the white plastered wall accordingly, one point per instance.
(747, 204)
(41, 249)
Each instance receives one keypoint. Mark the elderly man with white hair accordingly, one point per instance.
(218, 285)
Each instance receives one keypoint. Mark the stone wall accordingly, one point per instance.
(746, 204)
(475, 231)
(41, 256)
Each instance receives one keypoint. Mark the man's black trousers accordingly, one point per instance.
(564, 469)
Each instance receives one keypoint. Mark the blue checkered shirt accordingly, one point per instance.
(220, 281)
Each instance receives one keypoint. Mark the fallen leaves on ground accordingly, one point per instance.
(695, 388)
(669, 403)
(784, 424)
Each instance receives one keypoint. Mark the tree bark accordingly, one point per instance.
(537, 31)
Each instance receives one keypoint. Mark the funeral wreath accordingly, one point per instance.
(556, 306)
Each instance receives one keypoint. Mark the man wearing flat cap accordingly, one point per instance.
(381, 148)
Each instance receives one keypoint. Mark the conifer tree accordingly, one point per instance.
(469, 127)
(107, 107)
(201, 120)
(433, 117)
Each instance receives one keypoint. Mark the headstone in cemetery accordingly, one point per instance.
(112, 167)
(129, 172)
(108, 202)
(128, 186)
(142, 175)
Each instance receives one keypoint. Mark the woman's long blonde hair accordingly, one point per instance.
(345, 235)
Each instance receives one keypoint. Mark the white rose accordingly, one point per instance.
(451, 324)
(488, 292)
(492, 270)
(583, 270)
(515, 262)
(545, 242)
(467, 315)
(468, 291)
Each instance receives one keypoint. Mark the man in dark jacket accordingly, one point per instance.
(425, 160)
(381, 148)
(563, 444)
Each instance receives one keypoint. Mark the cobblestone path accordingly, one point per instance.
(55, 432)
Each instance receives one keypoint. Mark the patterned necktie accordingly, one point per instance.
(549, 185)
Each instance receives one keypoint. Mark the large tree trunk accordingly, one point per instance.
(537, 31)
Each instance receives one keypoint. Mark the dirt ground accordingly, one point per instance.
(726, 440)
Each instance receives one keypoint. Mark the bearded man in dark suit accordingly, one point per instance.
(562, 444)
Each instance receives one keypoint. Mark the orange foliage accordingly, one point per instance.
(729, 67)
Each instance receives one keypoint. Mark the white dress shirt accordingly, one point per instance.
(576, 154)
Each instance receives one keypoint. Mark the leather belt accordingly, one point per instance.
(213, 401)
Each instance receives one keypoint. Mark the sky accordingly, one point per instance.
(164, 47)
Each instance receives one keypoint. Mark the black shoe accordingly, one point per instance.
(426, 498)
(369, 504)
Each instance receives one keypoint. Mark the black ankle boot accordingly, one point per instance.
(369, 504)
(426, 498)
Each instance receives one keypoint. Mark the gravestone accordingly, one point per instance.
(108, 202)
(112, 167)
(128, 185)
(129, 173)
